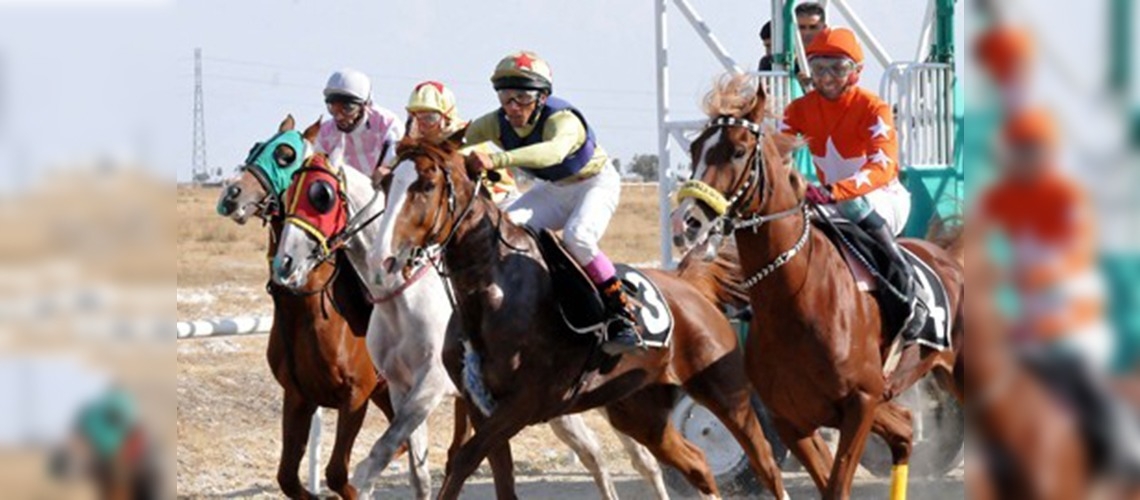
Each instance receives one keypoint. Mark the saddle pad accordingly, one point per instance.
(936, 332)
(654, 318)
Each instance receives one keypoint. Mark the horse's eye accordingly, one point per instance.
(322, 196)
(284, 155)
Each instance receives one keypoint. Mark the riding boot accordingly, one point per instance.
(621, 332)
(877, 228)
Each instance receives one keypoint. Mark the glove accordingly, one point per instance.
(819, 195)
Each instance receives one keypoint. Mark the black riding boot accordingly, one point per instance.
(874, 225)
(621, 332)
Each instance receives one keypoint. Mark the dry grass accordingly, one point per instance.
(223, 264)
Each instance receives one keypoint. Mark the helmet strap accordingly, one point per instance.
(537, 109)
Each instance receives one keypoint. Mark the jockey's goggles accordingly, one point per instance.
(517, 96)
(339, 107)
(838, 67)
(429, 118)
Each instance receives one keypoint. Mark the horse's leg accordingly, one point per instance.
(858, 415)
(382, 398)
(349, 418)
(726, 393)
(643, 462)
(810, 449)
(491, 433)
(644, 416)
(412, 409)
(915, 363)
(461, 431)
(296, 417)
(893, 424)
(503, 471)
(418, 462)
(572, 430)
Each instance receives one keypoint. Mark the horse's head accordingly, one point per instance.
(316, 214)
(429, 193)
(266, 173)
(741, 168)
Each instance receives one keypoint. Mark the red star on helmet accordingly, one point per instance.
(524, 61)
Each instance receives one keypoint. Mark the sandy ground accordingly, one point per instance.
(228, 426)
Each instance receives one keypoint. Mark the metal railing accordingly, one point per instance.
(922, 97)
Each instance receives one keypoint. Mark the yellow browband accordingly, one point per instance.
(308, 228)
(703, 192)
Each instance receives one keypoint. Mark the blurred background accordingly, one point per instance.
(107, 107)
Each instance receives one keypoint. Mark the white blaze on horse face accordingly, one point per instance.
(702, 163)
(382, 262)
(295, 259)
(690, 225)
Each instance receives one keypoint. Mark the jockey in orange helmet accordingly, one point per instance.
(434, 116)
(1061, 331)
(850, 132)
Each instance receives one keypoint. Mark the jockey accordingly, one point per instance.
(1061, 331)
(433, 116)
(365, 134)
(850, 132)
(579, 188)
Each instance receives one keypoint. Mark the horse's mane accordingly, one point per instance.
(718, 280)
(738, 95)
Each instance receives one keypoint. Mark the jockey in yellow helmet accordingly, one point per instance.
(434, 116)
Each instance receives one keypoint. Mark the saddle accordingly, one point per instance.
(580, 303)
(875, 272)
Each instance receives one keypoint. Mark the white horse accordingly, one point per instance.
(405, 339)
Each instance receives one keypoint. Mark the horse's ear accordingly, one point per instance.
(760, 108)
(310, 134)
(455, 140)
(287, 124)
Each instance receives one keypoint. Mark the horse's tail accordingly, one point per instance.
(719, 280)
(949, 234)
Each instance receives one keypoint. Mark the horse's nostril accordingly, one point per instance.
(389, 265)
(235, 191)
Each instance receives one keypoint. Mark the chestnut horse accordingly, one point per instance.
(815, 351)
(1031, 448)
(316, 346)
(524, 362)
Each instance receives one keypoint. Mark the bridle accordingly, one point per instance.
(425, 253)
(731, 216)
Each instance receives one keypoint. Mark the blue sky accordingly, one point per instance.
(81, 79)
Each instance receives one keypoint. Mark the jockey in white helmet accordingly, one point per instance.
(365, 134)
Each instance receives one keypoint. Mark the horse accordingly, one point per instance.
(316, 349)
(1031, 447)
(815, 352)
(110, 446)
(518, 363)
(407, 326)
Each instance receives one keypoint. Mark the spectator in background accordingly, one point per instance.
(811, 19)
(766, 39)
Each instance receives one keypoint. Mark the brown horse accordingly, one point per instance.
(815, 351)
(316, 346)
(509, 349)
(1031, 447)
